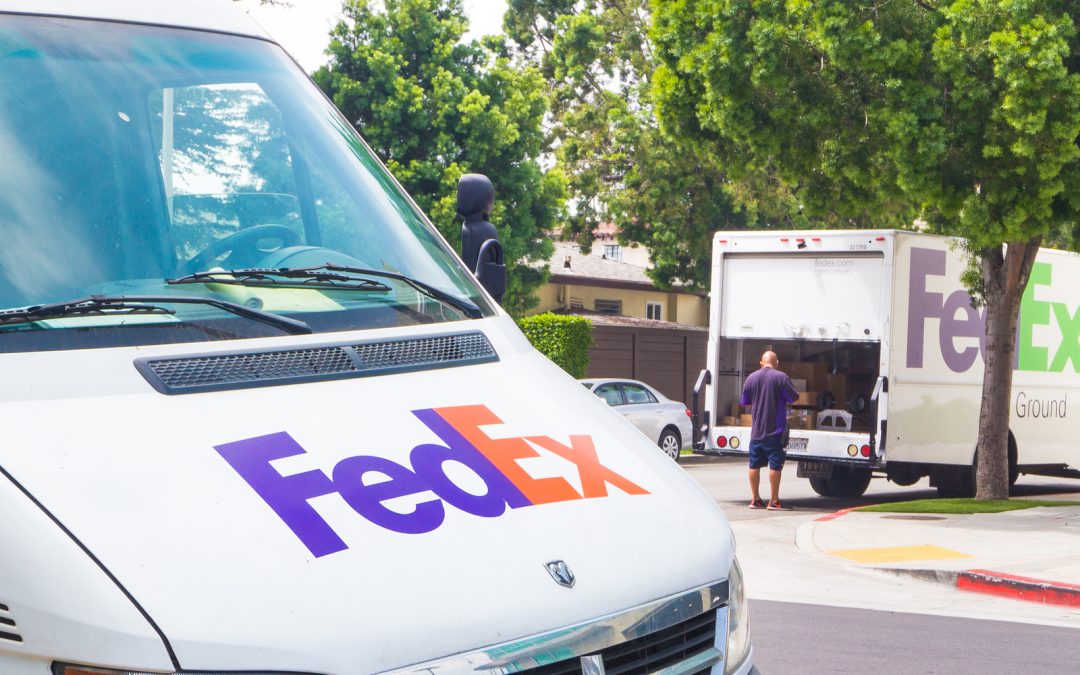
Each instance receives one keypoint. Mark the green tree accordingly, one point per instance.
(434, 107)
(966, 111)
(660, 190)
(598, 62)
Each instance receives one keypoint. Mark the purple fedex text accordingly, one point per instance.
(288, 495)
(493, 460)
(923, 305)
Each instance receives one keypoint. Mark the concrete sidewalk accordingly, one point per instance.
(1031, 554)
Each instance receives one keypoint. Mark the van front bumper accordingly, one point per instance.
(697, 618)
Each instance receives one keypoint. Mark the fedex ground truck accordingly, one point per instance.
(885, 347)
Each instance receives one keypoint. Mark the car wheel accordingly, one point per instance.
(671, 444)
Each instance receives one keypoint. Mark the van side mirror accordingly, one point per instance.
(481, 250)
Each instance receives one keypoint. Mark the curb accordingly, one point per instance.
(1019, 588)
(997, 584)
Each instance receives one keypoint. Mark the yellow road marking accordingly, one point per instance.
(898, 554)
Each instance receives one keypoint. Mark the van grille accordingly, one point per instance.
(8, 630)
(237, 370)
(648, 653)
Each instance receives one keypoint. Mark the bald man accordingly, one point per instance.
(768, 392)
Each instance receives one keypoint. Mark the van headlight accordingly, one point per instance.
(738, 637)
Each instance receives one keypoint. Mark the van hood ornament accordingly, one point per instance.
(560, 572)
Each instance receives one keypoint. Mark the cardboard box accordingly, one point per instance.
(801, 421)
(815, 374)
(729, 421)
(838, 385)
(807, 398)
(800, 385)
(735, 411)
(745, 420)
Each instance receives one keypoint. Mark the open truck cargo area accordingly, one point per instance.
(884, 345)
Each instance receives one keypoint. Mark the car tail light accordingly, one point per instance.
(865, 450)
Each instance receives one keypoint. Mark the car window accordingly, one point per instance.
(611, 394)
(635, 393)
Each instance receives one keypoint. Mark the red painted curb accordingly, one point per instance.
(833, 516)
(1019, 588)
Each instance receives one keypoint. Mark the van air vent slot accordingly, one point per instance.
(8, 630)
(255, 368)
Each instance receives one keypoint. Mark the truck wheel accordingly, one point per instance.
(671, 444)
(821, 486)
(849, 483)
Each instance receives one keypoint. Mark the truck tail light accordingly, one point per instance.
(734, 442)
(688, 413)
(865, 450)
(721, 441)
(853, 450)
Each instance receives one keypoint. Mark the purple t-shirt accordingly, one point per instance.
(767, 392)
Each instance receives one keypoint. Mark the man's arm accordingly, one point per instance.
(788, 390)
(744, 398)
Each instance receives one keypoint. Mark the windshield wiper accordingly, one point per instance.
(328, 274)
(265, 276)
(104, 305)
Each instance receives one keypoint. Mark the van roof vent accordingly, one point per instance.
(262, 368)
(9, 632)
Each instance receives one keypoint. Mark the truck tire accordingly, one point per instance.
(849, 483)
(821, 486)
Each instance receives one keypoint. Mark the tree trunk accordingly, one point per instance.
(1005, 275)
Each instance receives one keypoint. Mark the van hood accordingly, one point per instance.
(365, 524)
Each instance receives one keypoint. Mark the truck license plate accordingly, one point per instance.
(814, 470)
(797, 444)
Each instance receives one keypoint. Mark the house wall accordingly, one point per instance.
(677, 307)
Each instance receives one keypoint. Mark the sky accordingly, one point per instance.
(303, 28)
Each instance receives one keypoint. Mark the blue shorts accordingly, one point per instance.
(767, 451)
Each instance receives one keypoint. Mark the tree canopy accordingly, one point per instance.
(434, 107)
(659, 192)
(965, 113)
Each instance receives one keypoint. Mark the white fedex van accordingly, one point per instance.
(257, 416)
(880, 337)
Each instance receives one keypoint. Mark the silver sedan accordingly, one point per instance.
(665, 422)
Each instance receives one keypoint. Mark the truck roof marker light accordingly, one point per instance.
(852, 450)
(865, 450)
(734, 443)
(784, 239)
(723, 241)
(721, 441)
(879, 239)
(817, 239)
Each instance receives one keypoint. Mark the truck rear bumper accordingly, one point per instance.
(852, 449)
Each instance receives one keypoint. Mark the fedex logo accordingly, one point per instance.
(493, 460)
(925, 305)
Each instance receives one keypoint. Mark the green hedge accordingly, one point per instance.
(563, 339)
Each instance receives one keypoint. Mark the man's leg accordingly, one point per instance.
(774, 483)
(755, 480)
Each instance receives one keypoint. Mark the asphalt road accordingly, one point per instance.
(797, 638)
(726, 479)
(838, 621)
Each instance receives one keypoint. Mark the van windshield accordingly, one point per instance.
(136, 156)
